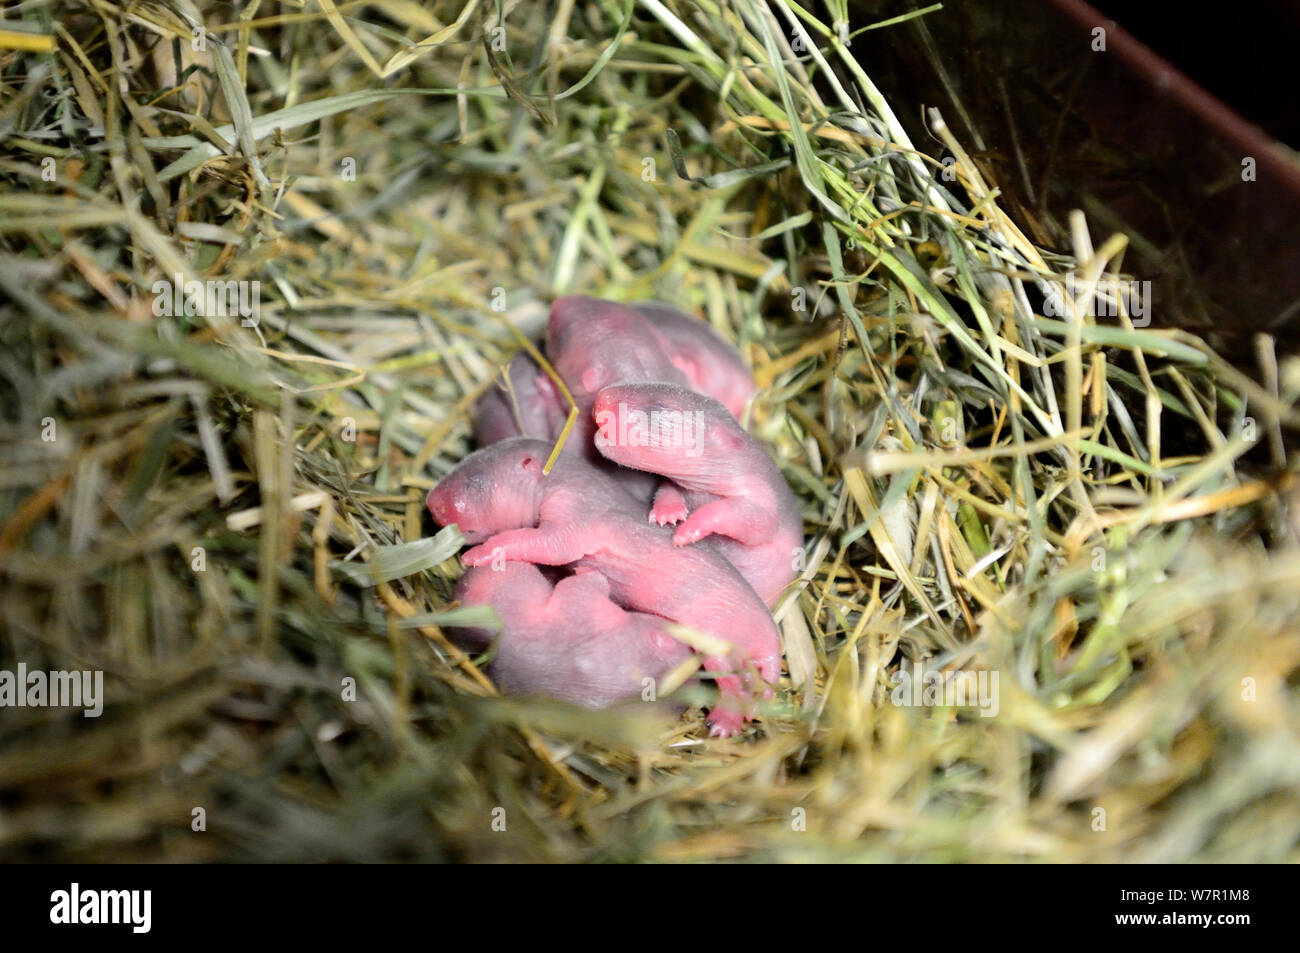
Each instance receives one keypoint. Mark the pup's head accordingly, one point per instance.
(492, 490)
(594, 343)
(665, 429)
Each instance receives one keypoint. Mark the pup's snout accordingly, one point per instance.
(441, 506)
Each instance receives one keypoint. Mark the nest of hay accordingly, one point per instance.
(222, 511)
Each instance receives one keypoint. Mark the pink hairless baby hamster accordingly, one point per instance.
(711, 365)
(568, 640)
(582, 516)
(524, 402)
(734, 491)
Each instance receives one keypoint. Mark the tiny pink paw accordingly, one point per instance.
(725, 722)
(668, 512)
(476, 556)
